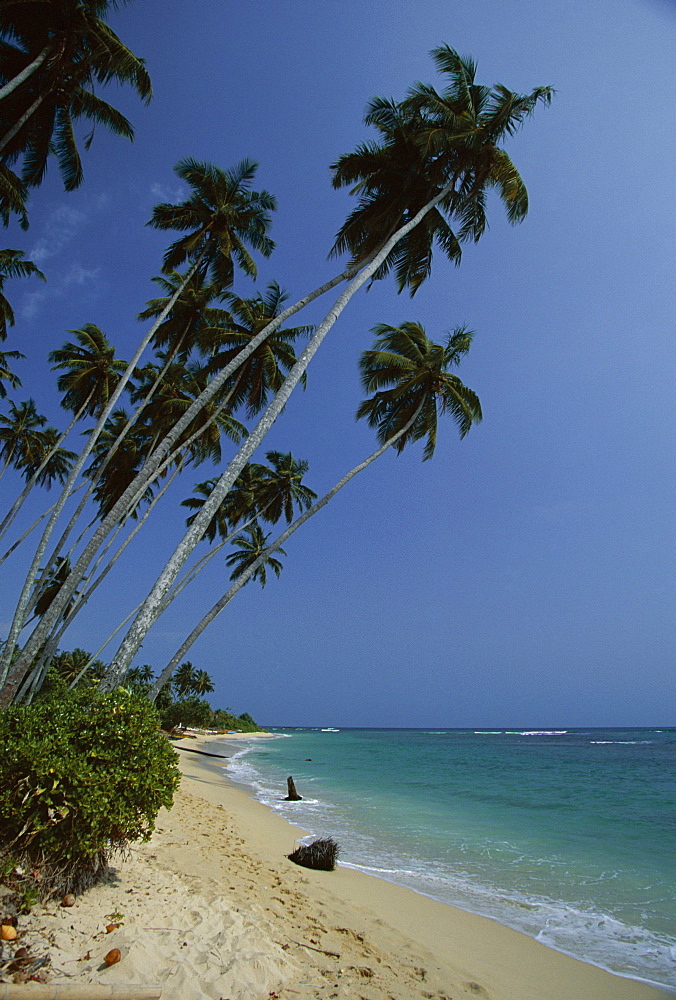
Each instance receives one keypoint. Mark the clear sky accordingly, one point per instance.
(523, 576)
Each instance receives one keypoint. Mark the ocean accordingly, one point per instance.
(565, 835)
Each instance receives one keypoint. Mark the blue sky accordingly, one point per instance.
(522, 576)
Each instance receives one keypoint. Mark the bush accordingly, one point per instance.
(83, 775)
(189, 711)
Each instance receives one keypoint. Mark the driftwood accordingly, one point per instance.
(293, 795)
(320, 854)
(84, 991)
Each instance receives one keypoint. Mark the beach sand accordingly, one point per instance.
(212, 908)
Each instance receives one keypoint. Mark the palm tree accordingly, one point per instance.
(6, 374)
(224, 217)
(202, 683)
(13, 265)
(192, 318)
(90, 371)
(56, 56)
(264, 370)
(46, 462)
(410, 375)
(281, 487)
(430, 143)
(238, 217)
(184, 678)
(19, 432)
(252, 544)
(414, 387)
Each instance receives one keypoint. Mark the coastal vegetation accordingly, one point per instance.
(210, 375)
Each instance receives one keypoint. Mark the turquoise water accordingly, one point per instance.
(566, 835)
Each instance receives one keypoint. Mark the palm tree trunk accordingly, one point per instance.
(16, 128)
(151, 606)
(7, 684)
(20, 613)
(8, 681)
(25, 73)
(165, 676)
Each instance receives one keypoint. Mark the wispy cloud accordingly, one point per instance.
(168, 194)
(60, 229)
(32, 303)
(79, 275)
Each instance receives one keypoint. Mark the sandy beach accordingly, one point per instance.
(212, 909)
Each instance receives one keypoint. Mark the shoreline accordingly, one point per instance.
(212, 908)
(406, 925)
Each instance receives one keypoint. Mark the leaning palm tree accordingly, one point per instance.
(6, 374)
(184, 678)
(202, 683)
(19, 433)
(458, 174)
(90, 371)
(414, 386)
(59, 51)
(13, 265)
(452, 179)
(251, 545)
(263, 372)
(226, 217)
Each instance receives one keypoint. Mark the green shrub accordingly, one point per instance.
(188, 711)
(83, 774)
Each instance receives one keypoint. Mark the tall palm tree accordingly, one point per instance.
(410, 376)
(6, 374)
(192, 318)
(414, 387)
(224, 218)
(13, 265)
(184, 678)
(202, 683)
(90, 371)
(54, 53)
(263, 372)
(19, 432)
(429, 143)
(281, 487)
(252, 546)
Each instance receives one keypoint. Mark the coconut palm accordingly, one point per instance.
(414, 387)
(184, 678)
(13, 265)
(262, 374)
(54, 53)
(251, 545)
(6, 374)
(192, 318)
(428, 143)
(281, 487)
(224, 218)
(202, 683)
(46, 462)
(19, 432)
(223, 227)
(90, 371)
(410, 376)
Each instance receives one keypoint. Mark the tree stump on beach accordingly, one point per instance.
(293, 795)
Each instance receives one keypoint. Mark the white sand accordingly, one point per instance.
(212, 908)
